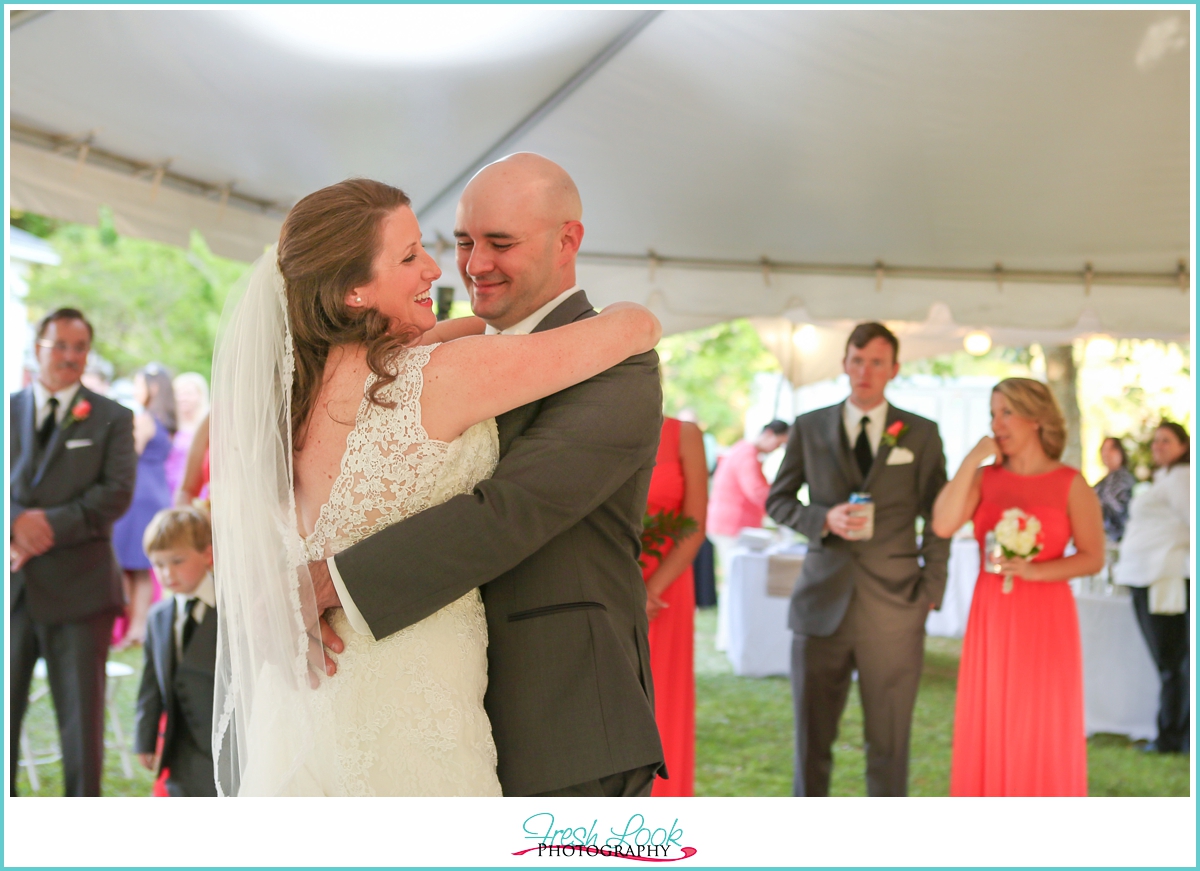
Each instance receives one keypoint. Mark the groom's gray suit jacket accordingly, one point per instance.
(553, 538)
(819, 455)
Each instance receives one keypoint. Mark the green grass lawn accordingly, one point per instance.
(43, 735)
(743, 735)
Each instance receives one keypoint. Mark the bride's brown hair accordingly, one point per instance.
(327, 247)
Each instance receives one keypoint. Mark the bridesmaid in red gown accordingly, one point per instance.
(680, 483)
(1018, 721)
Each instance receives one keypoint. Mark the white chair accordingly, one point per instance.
(30, 761)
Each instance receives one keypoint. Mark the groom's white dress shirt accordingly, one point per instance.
(521, 328)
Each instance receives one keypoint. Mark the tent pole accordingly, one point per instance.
(501, 147)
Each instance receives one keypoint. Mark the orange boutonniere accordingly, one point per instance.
(894, 433)
(79, 412)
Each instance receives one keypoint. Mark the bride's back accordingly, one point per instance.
(331, 420)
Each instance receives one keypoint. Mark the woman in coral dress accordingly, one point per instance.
(1018, 722)
(679, 484)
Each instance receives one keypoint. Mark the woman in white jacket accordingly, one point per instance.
(1155, 560)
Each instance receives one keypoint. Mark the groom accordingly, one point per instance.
(553, 536)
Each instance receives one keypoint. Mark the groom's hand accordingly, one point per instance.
(327, 597)
(323, 587)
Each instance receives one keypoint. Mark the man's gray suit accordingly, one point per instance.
(183, 688)
(860, 604)
(63, 602)
(553, 538)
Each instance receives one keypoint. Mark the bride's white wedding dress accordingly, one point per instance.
(405, 713)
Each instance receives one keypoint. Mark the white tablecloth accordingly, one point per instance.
(961, 573)
(759, 641)
(1120, 683)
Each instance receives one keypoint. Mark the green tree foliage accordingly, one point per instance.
(147, 301)
(31, 222)
(711, 371)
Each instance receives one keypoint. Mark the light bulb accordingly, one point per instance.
(977, 343)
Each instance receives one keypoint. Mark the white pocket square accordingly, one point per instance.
(78, 443)
(899, 456)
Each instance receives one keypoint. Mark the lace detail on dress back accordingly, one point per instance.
(406, 712)
(388, 463)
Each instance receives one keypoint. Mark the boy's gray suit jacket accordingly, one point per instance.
(553, 539)
(891, 564)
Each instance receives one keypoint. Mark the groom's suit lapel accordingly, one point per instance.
(512, 423)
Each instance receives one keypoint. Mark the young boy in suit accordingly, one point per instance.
(181, 649)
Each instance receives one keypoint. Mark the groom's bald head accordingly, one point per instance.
(518, 230)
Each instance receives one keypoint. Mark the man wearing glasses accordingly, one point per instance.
(72, 465)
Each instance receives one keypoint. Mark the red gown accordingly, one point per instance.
(1018, 721)
(671, 634)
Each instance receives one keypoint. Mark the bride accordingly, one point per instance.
(340, 405)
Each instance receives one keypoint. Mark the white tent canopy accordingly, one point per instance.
(1016, 170)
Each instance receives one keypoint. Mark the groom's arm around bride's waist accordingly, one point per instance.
(571, 453)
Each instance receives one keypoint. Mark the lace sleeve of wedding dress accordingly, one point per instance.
(268, 655)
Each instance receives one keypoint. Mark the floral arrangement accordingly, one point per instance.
(661, 527)
(1017, 538)
(894, 433)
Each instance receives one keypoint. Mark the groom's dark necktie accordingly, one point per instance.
(862, 448)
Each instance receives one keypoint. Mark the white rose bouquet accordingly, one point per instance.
(1016, 537)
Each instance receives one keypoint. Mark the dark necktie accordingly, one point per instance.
(190, 624)
(862, 448)
(48, 425)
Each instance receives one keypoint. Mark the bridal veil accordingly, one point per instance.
(269, 656)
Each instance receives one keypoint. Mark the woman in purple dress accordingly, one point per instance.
(153, 429)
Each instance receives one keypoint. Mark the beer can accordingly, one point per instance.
(864, 507)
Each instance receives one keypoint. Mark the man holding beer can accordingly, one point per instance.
(867, 586)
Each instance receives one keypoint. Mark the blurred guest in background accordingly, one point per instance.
(1018, 718)
(98, 375)
(191, 406)
(738, 501)
(1155, 560)
(866, 587)
(680, 486)
(195, 472)
(153, 428)
(1115, 489)
(71, 475)
(704, 566)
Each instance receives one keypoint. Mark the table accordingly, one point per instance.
(1120, 683)
(759, 643)
(961, 573)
